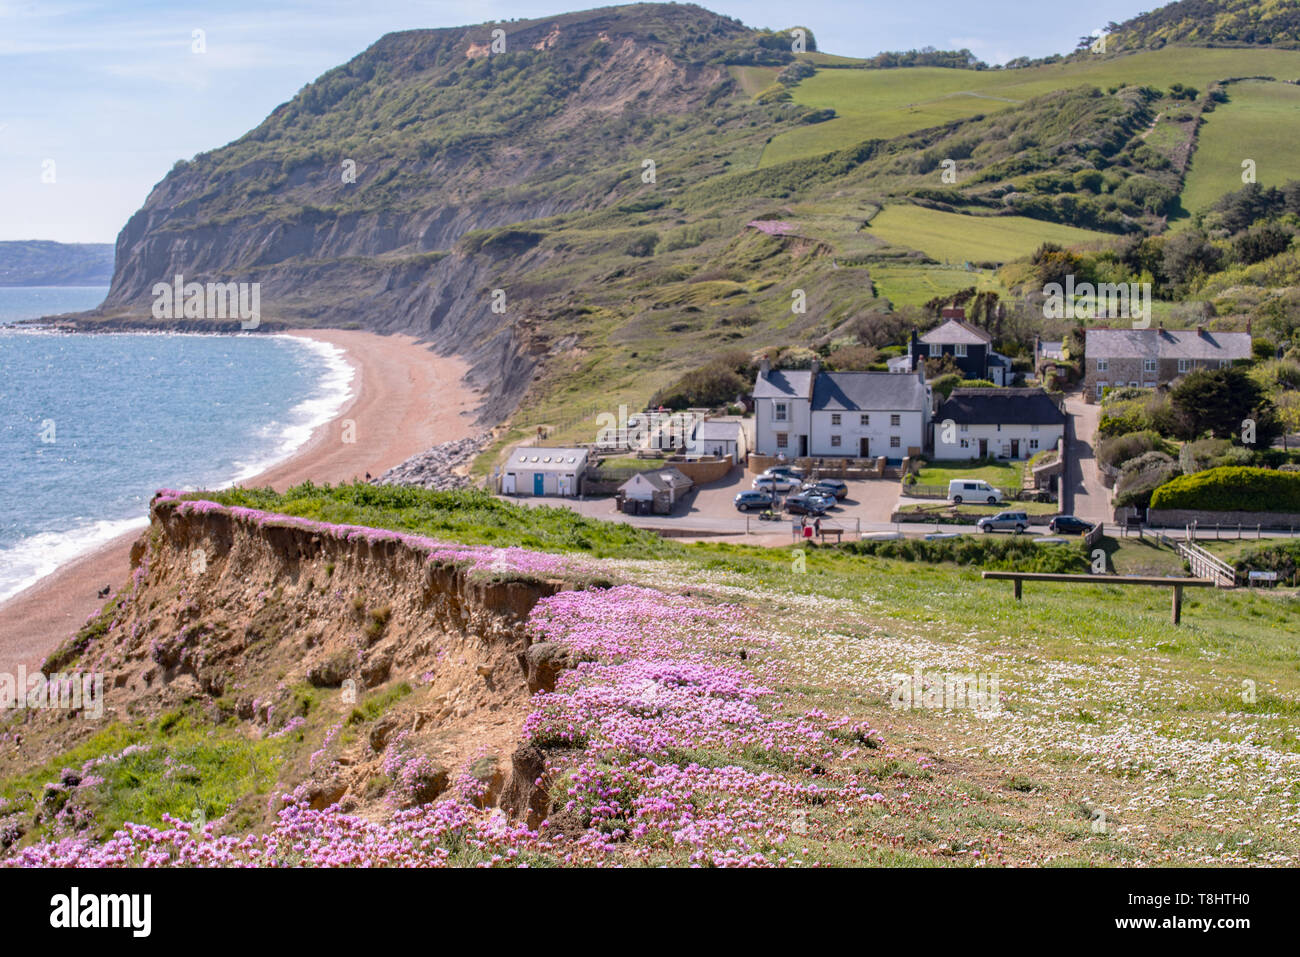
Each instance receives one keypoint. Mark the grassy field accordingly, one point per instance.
(884, 103)
(1259, 122)
(955, 238)
(1004, 475)
(917, 285)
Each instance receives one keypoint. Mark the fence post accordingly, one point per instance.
(1178, 603)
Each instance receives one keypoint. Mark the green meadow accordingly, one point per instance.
(956, 238)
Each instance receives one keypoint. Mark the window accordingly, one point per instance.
(1033, 428)
(835, 418)
(936, 349)
(1184, 365)
(895, 442)
(965, 427)
(782, 440)
(895, 419)
(1101, 387)
(780, 412)
(959, 350)
(865, 419)
(1148, 365)
(965, 443)
(835, 441)
(1033, 443)
(1101, 365)
(1224, 363)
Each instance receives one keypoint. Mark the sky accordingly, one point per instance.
(102, 98)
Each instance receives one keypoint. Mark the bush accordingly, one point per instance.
(1001, 554)
(1142, 476)
(1114, 452)
(1232, 489)
(1283, 558)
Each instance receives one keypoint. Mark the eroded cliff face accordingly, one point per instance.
(413, 664)
(348, 204)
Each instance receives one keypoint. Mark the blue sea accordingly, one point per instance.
(92, 425)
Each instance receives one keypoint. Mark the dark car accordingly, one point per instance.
(750, 500)
(830, 486)
(1069, 525)
(807, 503)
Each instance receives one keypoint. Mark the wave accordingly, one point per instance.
(27, 561)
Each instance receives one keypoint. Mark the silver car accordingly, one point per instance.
(1004, 522)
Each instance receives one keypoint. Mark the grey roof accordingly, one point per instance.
(956, 331)
(868, 392)
(547, 460)
(1001, 407)
(783, 384)
(1166, 344)
(724, 430)
(662, 479)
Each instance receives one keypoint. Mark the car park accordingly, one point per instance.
(747, 501)
(1004, 522)
(1068, 525)
(973, 490)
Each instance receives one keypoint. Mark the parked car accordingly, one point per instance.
(787, 471)
(1068, 525)
(746, 501)
(973, 490)
(807, 503)
(776, 483)
(833, 486)
(1004, 522)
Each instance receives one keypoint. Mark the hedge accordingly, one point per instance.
(1232, 489)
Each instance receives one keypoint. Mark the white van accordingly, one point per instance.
(973, 490)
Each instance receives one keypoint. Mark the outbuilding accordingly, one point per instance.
(538, 471)
(656, 491)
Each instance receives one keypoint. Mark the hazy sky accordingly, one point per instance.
(106, 96)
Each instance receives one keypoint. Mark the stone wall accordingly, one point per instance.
(1180, 517)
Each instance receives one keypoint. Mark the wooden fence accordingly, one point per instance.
(1177, 584)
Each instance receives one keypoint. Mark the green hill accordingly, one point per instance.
(40, 263)
(1203, 22)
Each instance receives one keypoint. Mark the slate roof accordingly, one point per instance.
(783, 384)
(663, 479)
(1001, 407)
(956, 331)
(868, 392)
(1166, 344)
(725, 430)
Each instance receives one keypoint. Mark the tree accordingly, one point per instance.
(1261, 242)
(1221, 402)
(1189, 255)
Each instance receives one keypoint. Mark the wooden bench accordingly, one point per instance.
(1177, 584)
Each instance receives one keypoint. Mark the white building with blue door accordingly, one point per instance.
(538, 471)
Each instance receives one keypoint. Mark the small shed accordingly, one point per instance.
(720, 437)
(660, 490)
(539, 471)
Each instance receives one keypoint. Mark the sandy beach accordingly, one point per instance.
(405, 399)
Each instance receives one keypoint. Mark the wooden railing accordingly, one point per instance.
(1177, 584)
(1205, 565)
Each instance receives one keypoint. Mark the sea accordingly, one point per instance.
(92, 425)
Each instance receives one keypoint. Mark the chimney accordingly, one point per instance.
(1200, 331)
(913, 349)
(815, 371)
(764, 367)
(1247, 327)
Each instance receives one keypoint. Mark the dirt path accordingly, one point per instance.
(1084, 493)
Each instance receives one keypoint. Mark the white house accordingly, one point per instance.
(997, 423)
(840, 414)
(719, 437)
(538, 471)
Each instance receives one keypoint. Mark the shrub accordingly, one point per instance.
(1232, 489)
(1142, 476)
(1114, 452)
(1003, 554)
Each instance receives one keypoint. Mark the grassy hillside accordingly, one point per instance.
(1258, 122)
(38, 263)
(887, 103)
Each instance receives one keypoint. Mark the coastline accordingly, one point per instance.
(405, 399)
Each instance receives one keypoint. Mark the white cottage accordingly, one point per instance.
(802, 413)
(997, 423)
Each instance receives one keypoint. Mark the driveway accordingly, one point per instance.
(1084, 494)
